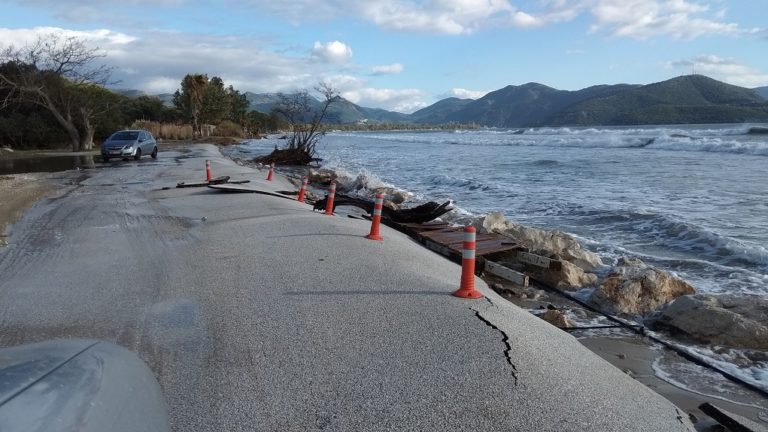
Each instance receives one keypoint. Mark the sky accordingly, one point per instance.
(403, 55)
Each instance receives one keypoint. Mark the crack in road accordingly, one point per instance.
(505, 340)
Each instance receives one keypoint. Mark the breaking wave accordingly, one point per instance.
(735, 140)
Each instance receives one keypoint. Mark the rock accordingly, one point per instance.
(556, 318)
(321, 176)
(636, 288)
(554, 242)
(570, 277)
(391, 205)
(727, 320)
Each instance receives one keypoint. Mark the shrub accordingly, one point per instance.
(229, 129)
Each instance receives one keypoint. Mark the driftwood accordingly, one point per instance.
(419, 214)
(214, 181)
(287, 157)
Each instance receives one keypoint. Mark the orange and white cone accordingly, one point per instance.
(303, 189)
(376, 220)
(467, 288)
(208, 173)
(271, 171)
(329, 203)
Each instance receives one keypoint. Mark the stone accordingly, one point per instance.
(556, 243)
(636, 288)
(321, 176)
(556, 318)
(725, 320)
(569, 277)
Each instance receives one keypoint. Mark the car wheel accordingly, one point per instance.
(137, 156)
(105, 158)
(154, 153)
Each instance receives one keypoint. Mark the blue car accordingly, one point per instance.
(129, 143)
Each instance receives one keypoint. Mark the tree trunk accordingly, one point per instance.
(67, 123)
(86, 138)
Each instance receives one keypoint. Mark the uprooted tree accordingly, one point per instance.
(304, 115)
(58, 74)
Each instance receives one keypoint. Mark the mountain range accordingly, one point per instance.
(684, 99)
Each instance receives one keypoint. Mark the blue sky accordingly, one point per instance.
(406, 54)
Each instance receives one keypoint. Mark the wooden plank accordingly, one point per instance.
(538, 261)
(506, 273)
(733, 422)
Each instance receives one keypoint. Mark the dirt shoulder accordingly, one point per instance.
(18, 192)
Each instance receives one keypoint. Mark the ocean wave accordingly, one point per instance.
(726, 140)
(672, 233)
(748, 365)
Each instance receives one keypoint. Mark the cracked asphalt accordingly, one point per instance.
(256, 313)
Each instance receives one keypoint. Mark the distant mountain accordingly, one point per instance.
(340, 112)
(762, 91)
(526, 105)
(167, 98)
(439, 111)
(686, 99)
(131, 93)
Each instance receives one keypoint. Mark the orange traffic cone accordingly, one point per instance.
(467, 288)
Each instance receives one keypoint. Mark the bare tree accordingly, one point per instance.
(305, 120)
(58, 74)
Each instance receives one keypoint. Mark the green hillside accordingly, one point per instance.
(686, 99)
(527, 105)
(438, 112)
(762, 91)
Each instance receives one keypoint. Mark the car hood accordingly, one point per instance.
(119, 143)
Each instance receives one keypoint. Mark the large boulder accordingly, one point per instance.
(321, 176)
(559, 243)
(636, 288)
(569, 277)
(726, 320)
(557, 319)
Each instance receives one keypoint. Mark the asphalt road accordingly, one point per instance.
(256, 313)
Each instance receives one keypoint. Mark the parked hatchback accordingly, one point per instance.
(129, 143)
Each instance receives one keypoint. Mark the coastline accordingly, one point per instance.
(637, 355)
(633, 354)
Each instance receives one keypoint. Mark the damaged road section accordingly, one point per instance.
(505, 340)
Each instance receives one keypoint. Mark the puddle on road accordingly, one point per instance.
(46, 164)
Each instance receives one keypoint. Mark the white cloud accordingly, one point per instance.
(332, 52)
(466, 94)
(641, 19)
(724, 69)
(394, 68)
(20, 37)
(156, 61)
(644, 19)
(400, 100)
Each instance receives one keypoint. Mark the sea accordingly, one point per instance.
(692, 199)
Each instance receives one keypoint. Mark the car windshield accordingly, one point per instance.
(125, 136)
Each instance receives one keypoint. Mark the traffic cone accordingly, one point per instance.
(329, 203)
(467, 288)
(303, 189)
(208, 173)
(271, 171)
(376, 220)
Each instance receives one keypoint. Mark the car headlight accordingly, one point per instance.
(128, 147)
